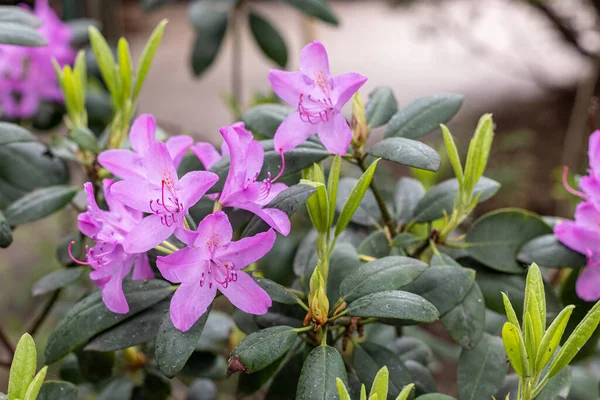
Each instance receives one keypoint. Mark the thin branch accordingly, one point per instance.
(387, 218)
(35, 324)
(6, 341)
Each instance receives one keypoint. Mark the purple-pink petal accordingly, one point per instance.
(195, 184)
(135, 194)
(289, 85)
(150, 232)
(142, 133)
(247, 295)
(292, 132)
(122, 163)
(141, 267)
(178, 146)
(206, 153)
(314, 61)
(335, 134)
(344, 87)
(577, 237)
(189, 302)
(159, 165)
(588, 283)
(214, 231)
(184, 265)
(247, 250)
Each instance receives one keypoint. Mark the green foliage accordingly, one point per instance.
(268, 38)
(322, 367)
(381, 106)
(411, 153)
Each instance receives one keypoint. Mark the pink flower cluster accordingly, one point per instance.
(583, 234)
(150, 186)
(26, 73)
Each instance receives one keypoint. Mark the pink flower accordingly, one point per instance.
(241, 189)
(127, 164)
(214, 262)
(26, 73)
(163, 195)
(318, 97)
(583, 236)
(110, 263)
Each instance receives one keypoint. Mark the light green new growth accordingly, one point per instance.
(379, 389)
(529, 350)
(22, 384)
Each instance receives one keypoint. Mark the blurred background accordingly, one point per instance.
(534, 64)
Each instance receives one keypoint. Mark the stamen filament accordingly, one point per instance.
(568, 187)
(73, 257)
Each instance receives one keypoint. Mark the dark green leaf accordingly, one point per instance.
(388, 273)
(496, 237)
(80, 31)
(411, 153)
(317, 9)
(465, 322)
(368, 358)
(264, 119)
(440, 199)
(204, 365)
(156, 386)
(39, 204)
(408, 193)
(443, 286)
(261, 349)
(375, 245)
(296, 160)
(5, 232)
(150, 5)
(443, 259)
(481, 371)
(85, 138)
(173, 348)
(19, 16)
(277, 292)
(268, 38)
(394, 304)
(285, 383)
(423, 115)
(119, 388)
(421, 377)
(381, 106)
(547, 251)
(410, 348)
(96, 366)
(367, 213)
(215, 336)
(53, 390)
(136, 330)
(209, 19)
(90, 316)
(56, 280)
(20, 35)
(557, 384)
(321, 368)
(202, 389)
(287, 201)
(249, 384)
(404, 240)
(343, 262)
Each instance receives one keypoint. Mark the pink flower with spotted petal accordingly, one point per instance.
(213, 262)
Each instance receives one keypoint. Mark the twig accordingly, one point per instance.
(387, 218)
(35, 324)
(6, 341)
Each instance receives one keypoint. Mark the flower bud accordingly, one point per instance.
(360, 129)
(317, 298)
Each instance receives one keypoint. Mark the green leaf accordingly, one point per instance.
(558, 384)
(465, 322)
(285, 383)
(381, 106)
(145, 61)
(173, 347)
(408, 193)
(548, 252)
(261, 349)
(443, 286)
(318, 206)
(36, 385)
(354, 199)
(343, 262)
(17, 34)
(510, 312)
(411, 153)
(367, 213)
(575, 342)
(405, 392)
(481, 371)
(249, 384)
(479, 151)
(215, 336)
(375, 245)
(209, 18)
(423, 115)
(90, 316)
(136, 330)
(5, 232)
(379, 387)
(277, 292)
(106, 64)
(496, 237)
(388, 273)
(264, 119)
(119, 388)
(125, 69)
(440, 199)
(318, 377)
(315, 8)
(202, 389)
(421, 376)
(268, 38)
(23, 367)
(342, 391)
(19, 16)
(95, 366)
(39, 204)
(404, 240)
(435, 396)
(394, 304)
(452, 153)
(296, 160)
(515, 349)
(535, 305)
(56, 280)
(368, 358)
(551, 338)
(287, 201)
(333, 181)
(52, 390)
(150, 5)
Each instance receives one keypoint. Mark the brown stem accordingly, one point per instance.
(6, 341)
(35, 324)
(387, 218)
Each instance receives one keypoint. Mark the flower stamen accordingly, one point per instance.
(568, 188)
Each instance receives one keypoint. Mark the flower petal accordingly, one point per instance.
(147, 234)
(255, 156)
(177, 146)
(141, 267)
(344, 87)
(123, 163)
(159, 165)
(276, 219)
(594, 153)
(214, 231)
(587, 216)
(288, 85)
(189, 302)
(194, 185)
(135, 194)
(314, 60)
(292, 132)
(143, 133)
(112, 292)
(183, 265)
(577, 237)
(588, 283)
(247, 250)
(206, 153)
(336, 134)
(187, 236)
(246, 295)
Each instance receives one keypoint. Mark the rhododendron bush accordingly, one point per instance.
(286, 263)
